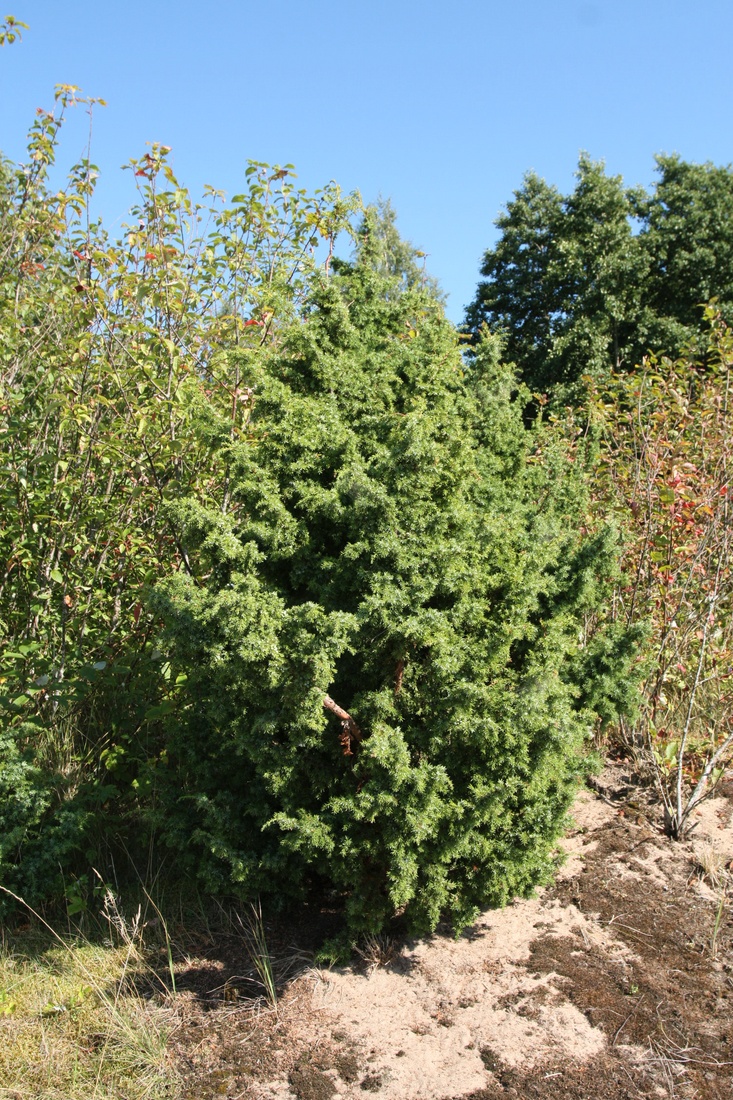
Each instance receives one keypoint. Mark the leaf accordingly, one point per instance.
(159, 711)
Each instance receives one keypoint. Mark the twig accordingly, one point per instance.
(350, 732)
(630, 1015)
(628, 928)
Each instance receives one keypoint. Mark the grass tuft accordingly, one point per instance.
(78, 1019)
(259, 953)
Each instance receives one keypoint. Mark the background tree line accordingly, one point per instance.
(594, 280)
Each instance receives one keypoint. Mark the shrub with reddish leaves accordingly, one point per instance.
(665, 472)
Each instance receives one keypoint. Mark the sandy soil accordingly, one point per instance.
(616, 982)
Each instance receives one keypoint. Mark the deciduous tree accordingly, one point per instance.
(591, 281)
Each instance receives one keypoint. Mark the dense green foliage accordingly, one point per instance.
(389, 545)
(590, 281)
(110, 352)
(391, 255)
(289, 590)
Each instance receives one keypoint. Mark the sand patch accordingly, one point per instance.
(616, 983)
(439, 1015)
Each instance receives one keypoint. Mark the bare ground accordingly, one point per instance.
(615, 983)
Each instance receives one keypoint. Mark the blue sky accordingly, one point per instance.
(440, 107)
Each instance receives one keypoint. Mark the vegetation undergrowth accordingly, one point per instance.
(84, 1012)
(115, 384)
(664, 471)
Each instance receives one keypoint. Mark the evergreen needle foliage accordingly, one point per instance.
(389, 632)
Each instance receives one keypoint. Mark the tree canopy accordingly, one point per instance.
(591, 281)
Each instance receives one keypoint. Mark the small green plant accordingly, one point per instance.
(259, 953)
(72, 1003)
(722, 903)
(83, 892)
(335, 951)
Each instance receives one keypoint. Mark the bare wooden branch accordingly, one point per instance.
(350, 732)
(399, 673)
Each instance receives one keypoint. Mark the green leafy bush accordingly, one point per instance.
(114, 390)
(387, 643)
(44, 826)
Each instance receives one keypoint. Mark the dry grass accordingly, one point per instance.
(377, 951)
(711, 863)
(80, 1018)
